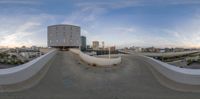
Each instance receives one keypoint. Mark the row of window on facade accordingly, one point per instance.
(57, 34)
(61, 41)
(64, 28)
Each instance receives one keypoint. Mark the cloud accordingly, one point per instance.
(17, 38)
(187, 33)
(180, 2)
(107, 4)
(85, 15)
(113, 35)
(118, 4)
(89, 13)
(28, 30)
(19, 2)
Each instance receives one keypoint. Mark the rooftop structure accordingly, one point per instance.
(64, 36)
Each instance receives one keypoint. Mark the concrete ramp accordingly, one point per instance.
(181, 79)
(25, 75)
(69, 78)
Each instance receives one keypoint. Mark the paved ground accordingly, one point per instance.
(2, 66)
(69, 78)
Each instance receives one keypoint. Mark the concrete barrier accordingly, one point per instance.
(76, 51)
(25, 71)
(168, 54)
(177, 74)
(94, 60)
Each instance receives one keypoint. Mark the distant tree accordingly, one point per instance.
(1, 55)
(13, 56)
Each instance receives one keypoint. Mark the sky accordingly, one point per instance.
(143, 23)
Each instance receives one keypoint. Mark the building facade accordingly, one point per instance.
(95, 45)
(103, 45)
(83, 43)
(64, 36)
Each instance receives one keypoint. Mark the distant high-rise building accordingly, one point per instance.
(103, 44)
(83, 43)
(95, 45)
(64, 36)
(112, 48)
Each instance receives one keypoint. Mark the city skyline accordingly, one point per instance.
(141, 23)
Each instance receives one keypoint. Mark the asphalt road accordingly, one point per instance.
(70, 78)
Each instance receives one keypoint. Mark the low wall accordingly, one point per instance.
(95, 60)
(25, 71)
(111, 55)
(168, 54)
(177, 74)
(45, 50)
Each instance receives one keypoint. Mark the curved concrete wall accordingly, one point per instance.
(177, 74)
(25, 71)
(95, 60)
(76, 51)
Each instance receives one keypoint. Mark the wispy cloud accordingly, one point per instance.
(85, 14)
(99, 23)
(188, 33)
(26, 31)
(109, 5)
(117, 4)
(17, 38)
(181, 36)
(19, 2)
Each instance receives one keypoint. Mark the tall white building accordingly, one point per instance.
(64, 36)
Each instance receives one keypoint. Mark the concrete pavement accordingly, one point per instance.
(70, 78)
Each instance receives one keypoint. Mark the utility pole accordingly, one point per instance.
(109, 52)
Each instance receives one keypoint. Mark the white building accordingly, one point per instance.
(138, 49)
(64, 36)
(95, 45)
